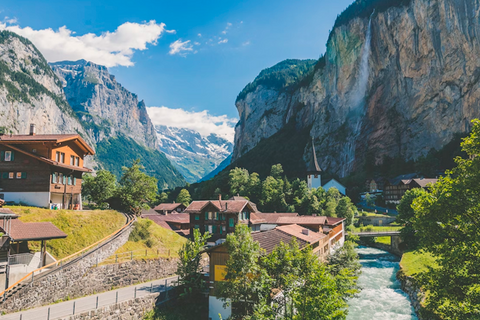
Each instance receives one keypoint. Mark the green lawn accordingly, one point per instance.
(371, 228)
(148, 241)
(416, 261)
(83, 228)
(384, 240)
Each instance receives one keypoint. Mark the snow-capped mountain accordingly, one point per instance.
(194, 155)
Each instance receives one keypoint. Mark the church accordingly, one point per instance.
(314, 176)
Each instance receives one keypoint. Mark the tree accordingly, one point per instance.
(406, 216)
(276, 171)
(244, 282)
(163, 197)
(137, 189)
(238, 180)
(99, 188)
(447, 224)
(273, 196)
(370, 200)
(184, 197)
(345, 209)
(189, 268)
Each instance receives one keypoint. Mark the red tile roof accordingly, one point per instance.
(331, 221)
(21, 231)
(303, 220)
(176, 218)
(299, 232)
(268, 240)
(272, 218)
(167, 206)
(423, 182)
(6, 211)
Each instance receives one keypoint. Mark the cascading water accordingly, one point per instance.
(357, 101)
(381, 296)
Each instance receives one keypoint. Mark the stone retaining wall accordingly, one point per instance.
(68, 281)
(411, 288)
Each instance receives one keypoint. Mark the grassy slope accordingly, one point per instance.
(416, 261)
(83, 228)
(161, 239)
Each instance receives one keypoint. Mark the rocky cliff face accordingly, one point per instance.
(192, 154)
(105, 107)
(393, 82)
(30, 92)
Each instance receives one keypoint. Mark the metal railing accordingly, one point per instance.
(28, 259)
(130, 255)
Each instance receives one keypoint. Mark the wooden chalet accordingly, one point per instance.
(396, 188)
(43, 170)
(170, 208)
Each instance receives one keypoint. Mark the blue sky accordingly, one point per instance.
(228, 43)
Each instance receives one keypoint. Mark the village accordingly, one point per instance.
(46, 171)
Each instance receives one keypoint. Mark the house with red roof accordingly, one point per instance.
(170, 208)
(43, 170)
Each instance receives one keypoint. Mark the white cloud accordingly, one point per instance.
(196, 43)
(246, 43)
(180, 48)
(199, 34)
(109, 49)
(9, 20)
(226, 28)
(223, 41)
(202, 121)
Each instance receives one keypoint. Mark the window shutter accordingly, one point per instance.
(206, 215)
(74, 181)
(2, 156)
(5, 175)
(13, 155)
(24, 175)
(54, 178)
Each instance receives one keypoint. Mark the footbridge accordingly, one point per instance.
(394, 236)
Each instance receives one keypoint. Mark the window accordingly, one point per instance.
(74, 181)
(216, 215)
(70, 180)
(11, 175)
(77, 161)
(24, 175)
(197, 217)
(206, 215)
(197, 226)
(62, 157)
(7, 156)
(19, 175)
(57, 156)
(231, 222)
(210, 228)
(64, 179)
(60, 178)
(239, 216)
(224, 229)
(72, 160)
(54, 177)
(210, 216)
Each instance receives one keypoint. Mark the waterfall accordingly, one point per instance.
(357, 102)
(357, 98)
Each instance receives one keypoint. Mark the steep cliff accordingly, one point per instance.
(104, 107)
(398, 78)
(30, 92)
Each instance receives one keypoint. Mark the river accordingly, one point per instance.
(381, 297)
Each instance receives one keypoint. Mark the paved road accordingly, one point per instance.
(65, 309)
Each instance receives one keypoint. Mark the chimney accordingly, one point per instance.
(32, 129)
(314, 215)
(226, 206)
(219, 197)
(305, 232)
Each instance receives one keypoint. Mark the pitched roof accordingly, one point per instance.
(255, 219)
(301, 233)
(331, 221)
(224, 206)
(48, 161)
(272, 218)
(56, 138)
(423, 182)
(314, 220)
(174, 218)
(167, 206)
(6, 211)
(21, 231)
(313, 166)
(399, 178)
(268, 240)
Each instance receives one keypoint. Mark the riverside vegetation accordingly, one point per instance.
(442, 224)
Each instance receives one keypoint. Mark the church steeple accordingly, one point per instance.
(314, 179)
(313, 167)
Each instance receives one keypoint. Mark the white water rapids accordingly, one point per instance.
(381, 297)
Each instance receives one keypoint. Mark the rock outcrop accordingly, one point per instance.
(412, 88)
(102, 104)
(30, 92)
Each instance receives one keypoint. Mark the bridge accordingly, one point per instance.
(394, 236)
